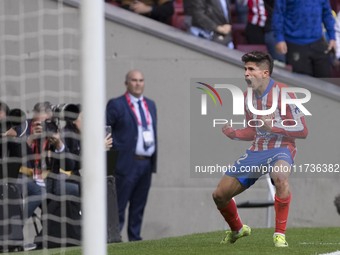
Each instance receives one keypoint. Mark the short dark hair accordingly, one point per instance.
(259, 57)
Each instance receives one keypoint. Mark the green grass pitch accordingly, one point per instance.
(302, 241)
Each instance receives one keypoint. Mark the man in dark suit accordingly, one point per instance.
(212, 20)
(133, 120)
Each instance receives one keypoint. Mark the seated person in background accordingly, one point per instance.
(12, 121)
(112, 2)
(241, 9)
(71, 136)
(45, 148)
(212, 20)
(4, 111)
(160, 10)
(11, 125)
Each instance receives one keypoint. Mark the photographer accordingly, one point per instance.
(43, 146)
(71, 135)
(13, 125)
(4, 111)
(70, 166)
(12, 122)
(62, 181)
(69, 180)
(5, 131)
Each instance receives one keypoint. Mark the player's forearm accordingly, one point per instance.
(295, 129)
(246, 134)
(291, 132)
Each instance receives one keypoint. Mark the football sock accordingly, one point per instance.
(281, 206)
(231, 216)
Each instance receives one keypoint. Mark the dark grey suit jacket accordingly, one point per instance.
(208, 14)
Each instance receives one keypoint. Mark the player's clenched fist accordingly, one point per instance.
(268, 121)
(228, 131)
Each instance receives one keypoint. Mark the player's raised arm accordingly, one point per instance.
(244, 134)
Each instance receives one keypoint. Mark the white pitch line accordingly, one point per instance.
(311, 243)
(332, 253)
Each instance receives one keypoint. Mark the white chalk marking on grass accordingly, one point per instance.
(311, 243)
(332, 253)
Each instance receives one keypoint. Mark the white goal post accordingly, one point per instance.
(93, 85)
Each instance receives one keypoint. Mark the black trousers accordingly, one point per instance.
(254, 34)
(310, 59)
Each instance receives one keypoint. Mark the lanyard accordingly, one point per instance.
(35, 148)
(132, 107)
(37, 155)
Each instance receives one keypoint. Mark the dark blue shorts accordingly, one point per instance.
(252, 165)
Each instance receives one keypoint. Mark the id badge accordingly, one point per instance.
(37, 174)
(148, 138)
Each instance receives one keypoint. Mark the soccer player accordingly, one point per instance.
(273, 147)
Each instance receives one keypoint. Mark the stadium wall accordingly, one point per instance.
(179, 204)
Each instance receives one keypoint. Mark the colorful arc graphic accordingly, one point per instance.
(209, 93)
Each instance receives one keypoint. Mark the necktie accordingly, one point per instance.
(144, 124)
(142, 115)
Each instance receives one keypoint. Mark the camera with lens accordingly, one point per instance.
(60, 112)
(49, 126)
(66, 112)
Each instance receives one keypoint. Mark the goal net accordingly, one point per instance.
(42, 92)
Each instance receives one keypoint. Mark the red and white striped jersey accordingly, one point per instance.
(285, 128)
(257, 14)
